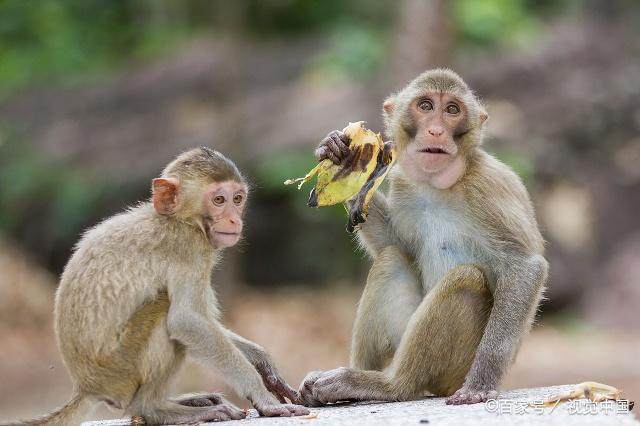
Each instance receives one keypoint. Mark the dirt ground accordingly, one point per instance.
(308, 330)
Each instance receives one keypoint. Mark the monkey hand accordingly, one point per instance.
(467, 395)
(276, 384)
(335, 147)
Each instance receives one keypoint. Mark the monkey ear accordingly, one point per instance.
(483, 116)
(389, 106)
(165, 195)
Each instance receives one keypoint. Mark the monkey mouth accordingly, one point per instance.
(214, 235)
(221, 239)
(234, 234)
(433, 150)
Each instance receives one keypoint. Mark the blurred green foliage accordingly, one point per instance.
(291, 230)
(281, 165)
(354, 52)
(484, 22)
(291, 17)
(54, 42)
(65, 194)
(521, 165)
(49, 41)
(487, 23)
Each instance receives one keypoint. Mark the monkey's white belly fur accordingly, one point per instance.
(441, 237)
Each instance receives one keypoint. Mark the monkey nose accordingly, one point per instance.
(436, 131)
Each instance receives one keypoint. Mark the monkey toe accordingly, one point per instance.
(283, 410)
(462, 397)
(274, 411)
(306, 389)
(196, 402)
(310, 379)
(330, 386)
(309, 399)
(199, 400)
(233, 412)
(223, 412)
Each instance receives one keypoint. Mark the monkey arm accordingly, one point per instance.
(205, 339)
(265, 366)
(518, 290)
(252, 351)
(375, 232)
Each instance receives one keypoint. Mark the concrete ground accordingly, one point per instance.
(510, 409)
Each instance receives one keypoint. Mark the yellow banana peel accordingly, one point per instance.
(356, 178)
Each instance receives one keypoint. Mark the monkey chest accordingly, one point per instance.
(438, 240)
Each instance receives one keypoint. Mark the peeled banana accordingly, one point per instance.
(356, 178)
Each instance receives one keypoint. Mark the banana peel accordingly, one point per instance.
(356, 178)
(594, 391)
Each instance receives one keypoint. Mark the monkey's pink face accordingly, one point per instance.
(439, 119)
(223, 205)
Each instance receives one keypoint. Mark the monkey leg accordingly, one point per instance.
(392, 294)
(151, 404)
(439, 346)
(168, 413)
(159, 363)
(434, 355)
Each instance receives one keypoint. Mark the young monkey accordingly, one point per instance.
(135, 297)
(458, 270)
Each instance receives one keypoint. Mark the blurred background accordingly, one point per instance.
(97, 96)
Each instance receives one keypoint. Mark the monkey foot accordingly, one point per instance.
(218, 413)
(282, 410)
(218, 408)
(468, 396)
(326, 387)
(193, 415)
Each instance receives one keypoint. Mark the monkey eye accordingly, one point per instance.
(218, 200)
(425, 105)
(453, 109)
(237, 199)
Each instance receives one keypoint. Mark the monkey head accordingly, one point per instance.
(203, 188)
(434, 122)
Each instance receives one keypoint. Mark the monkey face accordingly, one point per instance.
(223, 204)
(436, 121)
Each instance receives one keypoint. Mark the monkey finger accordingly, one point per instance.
(216, 415)
(274, 383)
(321, 153)
(297, 410)
(344, 138)
(278, 392)
(288, 392)
(342, 146)
(334, 146)
(339, 141)
(233, 412)
(334, 159)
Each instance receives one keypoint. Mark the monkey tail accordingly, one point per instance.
(72, 413)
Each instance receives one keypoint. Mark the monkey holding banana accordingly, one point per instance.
(458, 268)
(135, 298)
